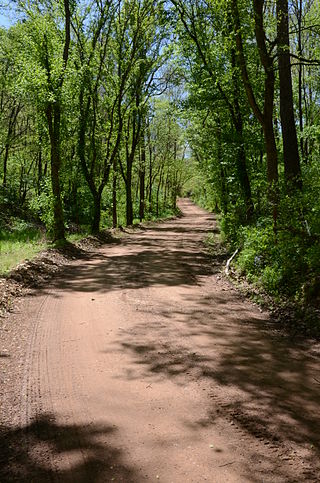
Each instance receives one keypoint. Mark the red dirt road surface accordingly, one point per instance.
(140, 364)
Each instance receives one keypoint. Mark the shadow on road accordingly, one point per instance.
(259, 380)
(82, 452)
(256, 378)
(167, 255)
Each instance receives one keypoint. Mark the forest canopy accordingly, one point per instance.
(112, 109)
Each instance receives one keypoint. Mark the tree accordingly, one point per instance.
(96, 101)
(289, 135)
(194, 20)
(146, 54)
(265, 115)
(44, 59)
(53, 114)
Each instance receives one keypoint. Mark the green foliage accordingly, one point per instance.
(42, 205)
(283, 262)
(279, 240)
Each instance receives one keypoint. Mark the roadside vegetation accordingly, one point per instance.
(253, 127)
(19, 242)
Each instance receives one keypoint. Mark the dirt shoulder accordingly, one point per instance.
(30, 274)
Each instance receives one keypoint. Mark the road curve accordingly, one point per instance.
(143, 365)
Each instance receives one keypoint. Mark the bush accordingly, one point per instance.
(285, 262)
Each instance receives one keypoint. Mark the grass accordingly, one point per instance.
(75, 237)
(23, 241)
(13, 253)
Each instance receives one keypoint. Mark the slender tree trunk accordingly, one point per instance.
(244, 178)
(142, 176)
(76, 204)
(224, 191)
(45, 169)
(158, 191)
(53, 118)
(114, 194)
(291, 158)
(21, 182)
(11, 126)
(129, 207)
(174, 193)
(95, 223)
(264, 117)
(95, 226)
(241, 158)
(150, 177)
(5, 164)
(224, 198)
(272, 168)
(271, 151)
(300, 72)
(39, 169)
(150, 185)
(53, 114)
(166, 189)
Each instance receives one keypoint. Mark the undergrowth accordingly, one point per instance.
(283, 258)
(21, 240)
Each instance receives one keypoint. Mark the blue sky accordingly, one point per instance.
(4, 21)
(7, 14)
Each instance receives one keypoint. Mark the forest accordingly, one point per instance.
(111, 109)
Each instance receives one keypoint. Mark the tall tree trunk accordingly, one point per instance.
(166, 189)
(114, 195)
(150, 177)
(129, 207)
(53, 114)
(158, 191)
(291, 158)
(271, 151)
(264, 117)
(142, 194)
(223, 195)
(95, 223)
(150, 184)
(5, 164)
(142, 176)
(95, 226)
(11, 126)
(241, 157)
(54, 117)
(300, 72)
(244, 177)
(39, 169)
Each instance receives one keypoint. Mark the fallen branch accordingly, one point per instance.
(226, 464)
(230, 260)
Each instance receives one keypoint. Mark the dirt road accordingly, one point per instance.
(144, 365)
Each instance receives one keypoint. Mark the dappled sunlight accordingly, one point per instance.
(168, 254)
(147, 331)
(257, 377)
